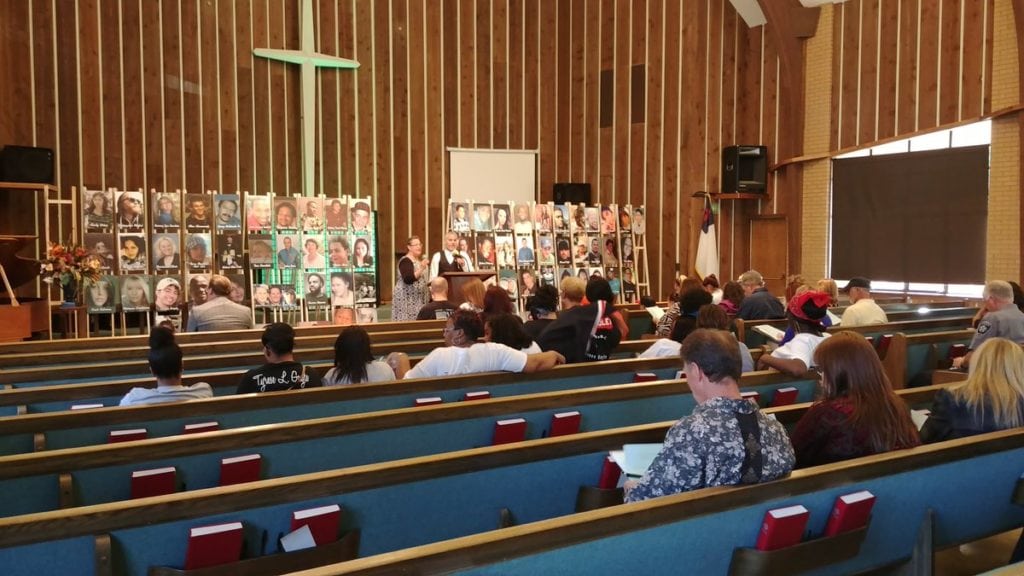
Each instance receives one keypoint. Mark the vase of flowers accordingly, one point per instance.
(69, 265)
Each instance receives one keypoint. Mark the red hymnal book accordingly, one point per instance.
(213, 545)
(851, 511)
(751, 395)
(610, 473)
(428, 401)
(784, 396)
(200, 427)
(126, 435)
(507, 431)
(240, 469)
(645, 377)
(883, 346)
(680, 374)
(86, 406)
(481, 395)
(565, 423)
(782, 527)
(155, 482)
(956, 351)
(323, 522)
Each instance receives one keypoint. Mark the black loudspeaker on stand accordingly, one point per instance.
(744, 169)
(574, 192)
(26, 164)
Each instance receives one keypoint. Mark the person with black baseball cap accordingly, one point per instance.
(862, 310)
(281, 372)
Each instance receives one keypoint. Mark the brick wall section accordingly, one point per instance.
(1002, 251)
(817, 130)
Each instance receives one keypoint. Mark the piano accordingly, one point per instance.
(32, 314)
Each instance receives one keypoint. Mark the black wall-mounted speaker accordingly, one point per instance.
(26, 164)
(744, 169)
(575, 192)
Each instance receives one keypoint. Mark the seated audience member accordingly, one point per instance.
(584, 333)
(862, 310)
(439, 308)
(710, 283)
(991, 399)
(726, 440)
(281, 372)
(165, 362)
(353, 360)
(858, 414)
(508, 329)
(732, 297)
(796, 357)
(473, 295)
(571, 293)
(668, 320)
(496, 301)
(463, 353)
(616, 315)
(709, 316)
(689, 305)
(219, 312)
(1002, 319)
(543, 308)
(652, 308)
(828, 286)
(758, 302)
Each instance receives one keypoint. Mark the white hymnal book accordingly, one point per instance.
(86, 406)
(635, 459)
(919, 417)
(318, 511)
(132, 432)
(836, 320)
(770, 331)
(237, 459)
(201, 426)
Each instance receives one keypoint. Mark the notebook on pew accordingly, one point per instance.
(920, 417)
(782, 527)
(784, 396)
(850, 512)
(213, 545)
(126, 435)
(153, 482)
(481, 395)
(323, 522)
(508, 431)
(565, 423)
(770, 331)
(200, 427)
(635, 459)
(240, 469)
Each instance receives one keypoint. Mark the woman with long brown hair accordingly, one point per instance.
(858, 413)
(473, 295)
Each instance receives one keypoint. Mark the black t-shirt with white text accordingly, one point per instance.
(277, 377)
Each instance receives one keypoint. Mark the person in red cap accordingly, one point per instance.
(805, 313)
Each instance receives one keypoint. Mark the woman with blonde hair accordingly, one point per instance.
(828, 286)
(473, 295)
(858, 413)
(991, 399)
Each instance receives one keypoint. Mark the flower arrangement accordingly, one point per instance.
(69, 264)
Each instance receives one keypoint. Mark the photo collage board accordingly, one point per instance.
(532, 244)
(313, 255)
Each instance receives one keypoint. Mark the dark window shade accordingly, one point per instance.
(916, 217)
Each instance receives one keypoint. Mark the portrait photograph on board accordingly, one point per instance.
(336, 215)
(362, 252)
(261, 296)
(366, 315)
(366, 288)
(98, 210)
(502, 220)
(560, 218)
(131, 211)
(482, 217)
(527, 282)
(198, 211)
(133, 253)
(523, 223)
(166, 210)
(312, 252)
(286, 216)
(485, 256)
(639, 223)
(315, 291)
(458, 212)
(610, 252)
(165, 252)
(168, 294)
(547, 275)
(506, 250)
(238, 291)
(257, 213)
(197, 251)
(626, 252)
(135, 293)
(101, 245)
(288, 253)
(101, 295)
(229, 252)
(563, 251)
(198, 289)
(542, 218)
(339, 251)
(609, 219)
(545, 253)
(228, 213)
(311, 212)
(361, 213)
(261, 253)
(342, 289)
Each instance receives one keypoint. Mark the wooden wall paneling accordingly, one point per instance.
(402, 215)
(637, 102)
(531, 71)
(928, 73)
(837, 75)
(134, 119)
(173, 88)
(546, 79)
(662, 210)
(516, 71)
(436, 210)
(385, 197)
(592, 89)
(973, 59)
(482, 58)
(293, 101)
(989, 24)
(192, 96)
(907, 98)
(347, 120)
(417, 129)
(499, 74)
(566, 63)
(713, 153)
(770, 121)
(326, 161)
(888, 52)
(15, 17)
(657, 61)
(868, 71)
(277, 141)
(210, 101)
(91, 108)
(577, 74)
(748, 74)
(693, 114)
(949, 67)
(850, 54)
(603, 185)
(623, 27)
(367, 118)
(467, 74)
(45, 87)
(243, 70)
(110, 95)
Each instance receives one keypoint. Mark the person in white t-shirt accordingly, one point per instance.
(709, 316)
(508, 329)
(463, 353)
(805, 312)
(353, 361)
(165, 362)
(862, 310)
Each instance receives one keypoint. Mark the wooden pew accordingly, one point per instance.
(394, 504)
(100, 473)
(83, 427)
(911, 354)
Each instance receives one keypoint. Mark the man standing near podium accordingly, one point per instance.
(450, 259)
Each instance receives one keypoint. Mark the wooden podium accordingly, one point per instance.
(456, 280)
